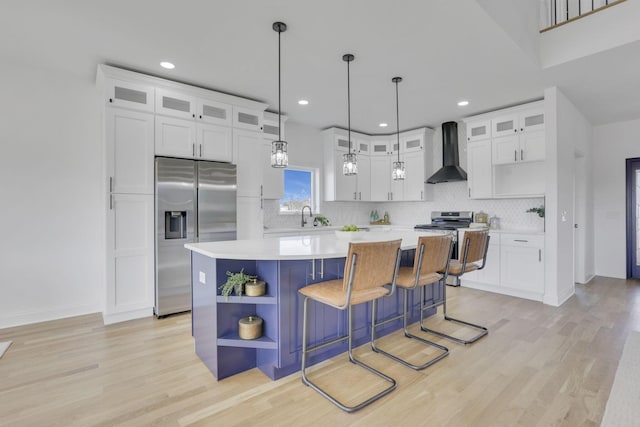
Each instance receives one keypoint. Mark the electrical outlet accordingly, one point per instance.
(202, 278)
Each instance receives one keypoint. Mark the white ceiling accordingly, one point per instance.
(445, 50)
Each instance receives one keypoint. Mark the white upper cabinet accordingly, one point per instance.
(129, 142)
(214, 142)
(175, 137)
(479, 169)
(249, 146)
(176, 104)
(246, 118)
(381, 146)
(134, 96)
(214, 112)
(505, 125)
(519, 137)
(478, 130)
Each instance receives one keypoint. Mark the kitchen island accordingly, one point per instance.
(286, 264)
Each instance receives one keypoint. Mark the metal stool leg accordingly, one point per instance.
(483, 331)
(405, 320)
(308, 382)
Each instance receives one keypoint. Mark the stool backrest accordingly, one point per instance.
(437, 250)
(477, 242)
(375, 264)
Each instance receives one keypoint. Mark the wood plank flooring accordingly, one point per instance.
(539, 366)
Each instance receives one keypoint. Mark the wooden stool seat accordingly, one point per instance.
(407, 279)
(456, 268)
(332, 293)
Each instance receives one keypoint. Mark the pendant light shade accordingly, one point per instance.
(350, 164)
(398, 171)
(279, 155)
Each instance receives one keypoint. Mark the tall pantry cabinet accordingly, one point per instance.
(145, 117)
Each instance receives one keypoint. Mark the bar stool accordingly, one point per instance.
(368, 268)
(432, 256)
(474, 250)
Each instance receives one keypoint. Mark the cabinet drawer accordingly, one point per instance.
(526, 240)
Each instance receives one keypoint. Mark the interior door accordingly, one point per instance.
(633, 218)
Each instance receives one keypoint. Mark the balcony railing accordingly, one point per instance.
(560, 12)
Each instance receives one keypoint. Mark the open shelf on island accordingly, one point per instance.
(234, 340)
(266, 299)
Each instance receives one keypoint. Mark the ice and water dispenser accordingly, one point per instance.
(175, 225)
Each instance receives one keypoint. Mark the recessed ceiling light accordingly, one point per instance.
(463, 103)
(167, 65)
(383, 125)
(303, 102)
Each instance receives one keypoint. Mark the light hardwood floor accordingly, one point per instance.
(538, 366)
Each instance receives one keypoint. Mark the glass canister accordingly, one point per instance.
(494, 222)
(482, 217)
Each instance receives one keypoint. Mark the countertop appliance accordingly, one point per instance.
(195, 202)
(449, 220)
(451, 170)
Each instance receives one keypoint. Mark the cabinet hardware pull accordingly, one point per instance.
(110, 99)
(313, 269)
(515, 130)
(193, 150)
(392, 195)
(261, 190)
(110, 184)
(520, 240)
(521, 129)
(322, 268)
(359, 195)
(469, 192)
(110, 202)
(200, 150)
(194, 116)
(201, 116)
(354, 196)
(421, 195)
(521, 154)
(539, 255)
(515, 155)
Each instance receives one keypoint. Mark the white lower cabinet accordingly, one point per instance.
(515, 266)
(130, 257)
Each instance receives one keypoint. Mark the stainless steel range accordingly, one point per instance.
(449, 220)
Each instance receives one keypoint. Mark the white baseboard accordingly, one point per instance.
(109, 319)
(18, 319)
(502, 290)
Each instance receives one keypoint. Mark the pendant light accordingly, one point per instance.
(279, 156)
(398, 167)
(350, 165)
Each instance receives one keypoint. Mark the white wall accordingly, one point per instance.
(567, 132)
(51, 249)
(612, 145)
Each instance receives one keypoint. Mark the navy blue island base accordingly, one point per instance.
(278, 352)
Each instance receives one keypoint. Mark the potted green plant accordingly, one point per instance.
(538, 210)
(235, 281)
(321, 219)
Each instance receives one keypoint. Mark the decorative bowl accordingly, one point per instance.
(348, 235)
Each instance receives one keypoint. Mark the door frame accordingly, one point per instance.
(630, 220)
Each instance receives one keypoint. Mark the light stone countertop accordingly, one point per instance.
(315, 246)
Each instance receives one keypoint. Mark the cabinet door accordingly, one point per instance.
(130, 253)
(273, 182)
(414, 176)
(380, 179)
(246, 118)
(214, 142)
(250, 163)
(521, 265)
(505, 125)
(342, 144)
(250, 218)
(363, 147)
(532, 146)
(505, 149)
(532, 120)
(364, 178)
(479, 169)
(130, 95)
(412, 143)
(380, 147)
(478, 131)
(129, 140)
(175, 137)
(214, 112)
(346, 185)
(175, 104)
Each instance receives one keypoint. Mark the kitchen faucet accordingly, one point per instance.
(302, 220)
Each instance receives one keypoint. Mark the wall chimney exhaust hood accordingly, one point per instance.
(451, 170)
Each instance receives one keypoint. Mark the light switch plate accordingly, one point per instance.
(202, 278)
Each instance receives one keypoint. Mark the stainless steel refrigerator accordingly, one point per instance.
(195, 202)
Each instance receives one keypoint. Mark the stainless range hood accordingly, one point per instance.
(451, 170)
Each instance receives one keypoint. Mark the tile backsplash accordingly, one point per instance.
(448, 196)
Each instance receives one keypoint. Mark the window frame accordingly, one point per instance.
(315, 203)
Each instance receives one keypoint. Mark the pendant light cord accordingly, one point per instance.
(349, 106)
(279, 90)
(398, 120)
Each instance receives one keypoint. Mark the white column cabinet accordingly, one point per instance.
(250, 164)
(130, 214)
(414, 187)
(250, 218)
